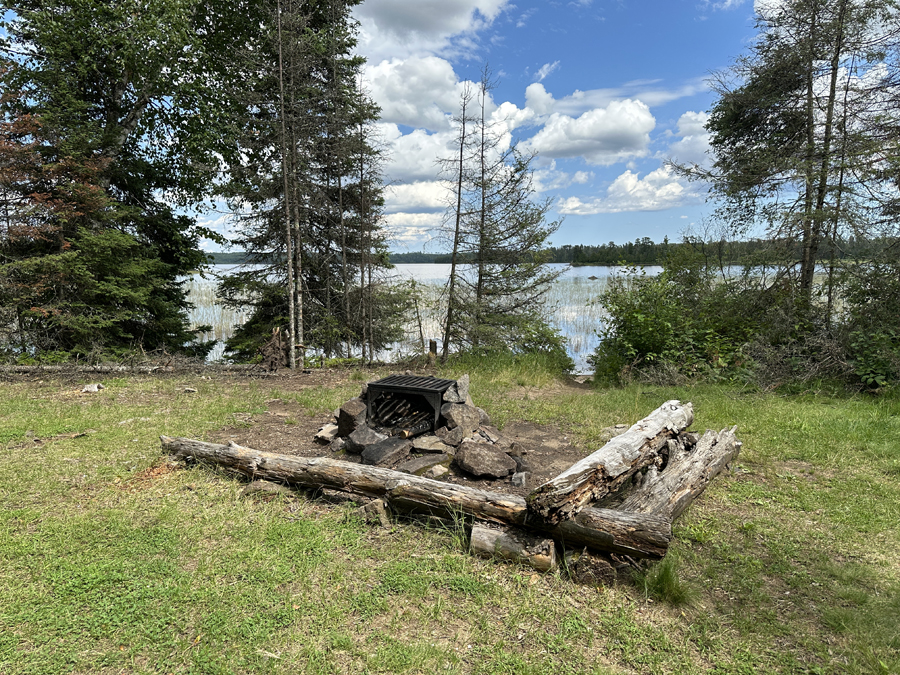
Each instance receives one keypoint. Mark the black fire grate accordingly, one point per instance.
(431, 389)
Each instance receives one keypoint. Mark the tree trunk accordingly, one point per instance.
(633, 534)
(508, 544)
(668, 493)
(611, 466)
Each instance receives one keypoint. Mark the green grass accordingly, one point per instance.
(112, 561)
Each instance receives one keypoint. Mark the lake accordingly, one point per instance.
(570, 307)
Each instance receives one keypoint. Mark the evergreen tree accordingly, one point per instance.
(498, 225)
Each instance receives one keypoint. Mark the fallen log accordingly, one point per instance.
(637, 535)
(510, 544)
(668, 493)
(608, 469)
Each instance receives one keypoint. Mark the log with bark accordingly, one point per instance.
(668, 493)
(637, 535)
(610, 468)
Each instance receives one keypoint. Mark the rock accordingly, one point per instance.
(522, 464)
(326, 434)
(351, 416)
(92, 388)
(187, 390)
(516, 450)
(430, 444)
(337, 444)
(451, 437)
(362, 437)
(417, 465)
(387, 452)
(451, 395)
(375, 513)
(490, 433)
(462, 387)
(462, 416)
(520, 478)
(485, 419)
(481, 459)
(436, 471)
(364, 391)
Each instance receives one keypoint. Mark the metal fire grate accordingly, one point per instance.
(430, 388)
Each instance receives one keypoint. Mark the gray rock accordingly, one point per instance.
(462, 387)
(481, 459)
(337, 444)
(430, 444)
(485, 419)
(351, 416)
(92, 388)
(451, 437)
(490, 433)
(417, 465)
(462, 416)
(387, 452)
(436, 471)
(362, 437)
(516, 450)
(520, 478)
(522, 464)
(326, 434)
(364, 391)
(265, 487)
(451, 395)
(375, 513)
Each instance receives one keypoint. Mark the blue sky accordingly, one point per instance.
(603, 90)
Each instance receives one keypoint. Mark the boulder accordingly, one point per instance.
(485, 418)
(363, 437)
(463, 416)
(417, 465)
(351, 416)
(520, 478)
(490, 433)
(482, 459)
(436, 471)
(387, 452)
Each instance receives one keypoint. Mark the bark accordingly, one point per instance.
(509, 544)
(633, 534)
(608, 469)
(668, 493)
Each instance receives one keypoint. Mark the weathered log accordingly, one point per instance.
(608, 469)
(510, 544)
(633, 534)
(668, 493)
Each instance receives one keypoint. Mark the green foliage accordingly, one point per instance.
(662, 582)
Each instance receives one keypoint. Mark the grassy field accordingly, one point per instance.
(112, 560)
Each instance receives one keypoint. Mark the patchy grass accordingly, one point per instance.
(112, 560)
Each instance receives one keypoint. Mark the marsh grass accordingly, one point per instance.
(111, 560)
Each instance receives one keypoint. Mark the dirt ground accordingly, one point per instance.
(285, 428)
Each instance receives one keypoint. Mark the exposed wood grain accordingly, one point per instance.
(609, 468)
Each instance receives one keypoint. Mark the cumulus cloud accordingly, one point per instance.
(413, 229)
(418, 91)
(399, 28)
(550, 178)
(658, 190)
(416, 197)
(414, 156)
(603, 136)
(694, 143)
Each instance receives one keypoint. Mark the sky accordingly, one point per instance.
(604, 91)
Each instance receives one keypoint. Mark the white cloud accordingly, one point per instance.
(545, 70)
(694, 143)
(400, 28)
(601, 136)
(658, 190)
(417, 92)
(646, 91)
(416, 197)
(413, 229)
(550, 178)
(414, 156)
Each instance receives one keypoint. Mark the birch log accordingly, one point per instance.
(637, 535)
(609, 468)
(668, 493)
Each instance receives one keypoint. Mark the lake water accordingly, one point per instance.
(570, 307)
